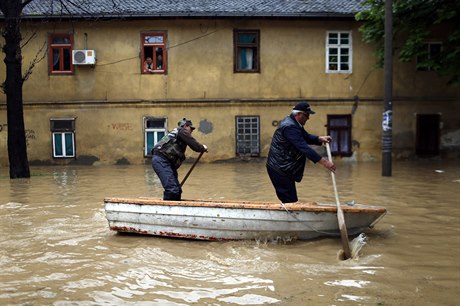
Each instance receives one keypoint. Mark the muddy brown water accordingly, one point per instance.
(56, 247)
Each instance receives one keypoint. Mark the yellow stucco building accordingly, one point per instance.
(92, 101)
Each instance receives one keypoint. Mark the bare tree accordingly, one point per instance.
(12, 87)
(12, 14)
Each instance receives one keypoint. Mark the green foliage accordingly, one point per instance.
(413, 24)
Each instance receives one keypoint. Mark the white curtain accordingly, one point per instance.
(249, 58)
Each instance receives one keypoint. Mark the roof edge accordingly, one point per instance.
(187, 15)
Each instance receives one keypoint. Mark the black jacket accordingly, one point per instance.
(290, 149)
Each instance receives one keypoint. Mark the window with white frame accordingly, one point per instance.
(247, 135)
(154, 130)
(338, 52)
(63, 134)
(430, 59)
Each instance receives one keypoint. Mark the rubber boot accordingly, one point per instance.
(167, 196)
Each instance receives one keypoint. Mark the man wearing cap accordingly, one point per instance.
(168, 155)
(289, 151)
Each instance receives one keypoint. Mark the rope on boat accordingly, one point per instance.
(356, 244)
(308, 225)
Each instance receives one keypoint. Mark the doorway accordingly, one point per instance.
(427, 135)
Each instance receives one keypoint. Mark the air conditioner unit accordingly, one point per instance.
(83, 57)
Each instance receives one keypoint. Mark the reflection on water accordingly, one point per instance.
(56, 248)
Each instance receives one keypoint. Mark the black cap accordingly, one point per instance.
(185, 122)
(304, 107)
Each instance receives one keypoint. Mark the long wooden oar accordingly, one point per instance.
(190, 171)
(340, 217)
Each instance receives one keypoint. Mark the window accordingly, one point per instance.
(154, 130)
(154, 52)
(339, 128)
(60, 53)
(430, 59)
(338, 52)
(246, 52)
(63, 134)
(247, 136)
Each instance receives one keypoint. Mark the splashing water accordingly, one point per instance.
(355, 247)
(357, 244)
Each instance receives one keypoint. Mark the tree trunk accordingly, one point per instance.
(17, 146)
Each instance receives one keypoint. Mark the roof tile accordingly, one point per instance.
(196, 8)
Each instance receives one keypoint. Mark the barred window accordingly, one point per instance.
(247, 135)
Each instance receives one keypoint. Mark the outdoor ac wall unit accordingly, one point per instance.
(83, 57)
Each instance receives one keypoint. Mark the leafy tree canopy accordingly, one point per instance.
(413, 24)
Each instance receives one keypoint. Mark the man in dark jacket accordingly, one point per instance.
(289, 151)
(168, 155)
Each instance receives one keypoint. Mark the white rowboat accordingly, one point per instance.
(236, 220)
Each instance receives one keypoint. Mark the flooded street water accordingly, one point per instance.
(56, 247)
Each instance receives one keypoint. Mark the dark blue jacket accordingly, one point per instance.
(290, 149)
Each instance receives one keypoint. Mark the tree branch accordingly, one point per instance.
(39, 56)
(26, 2)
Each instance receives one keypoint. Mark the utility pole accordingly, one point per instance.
(387, 118)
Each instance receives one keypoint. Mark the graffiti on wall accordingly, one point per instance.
(30, 135)
(121, 126)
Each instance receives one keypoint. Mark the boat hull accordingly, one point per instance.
(227, 220)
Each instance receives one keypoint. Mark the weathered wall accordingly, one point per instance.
(111, 98)
(292, 64)
(105, 137)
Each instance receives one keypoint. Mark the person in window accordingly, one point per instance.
(289, 151)
(168, 155)
(148, 65)
(159, 62)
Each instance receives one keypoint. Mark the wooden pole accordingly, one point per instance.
(190, 171)
(340, 216)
